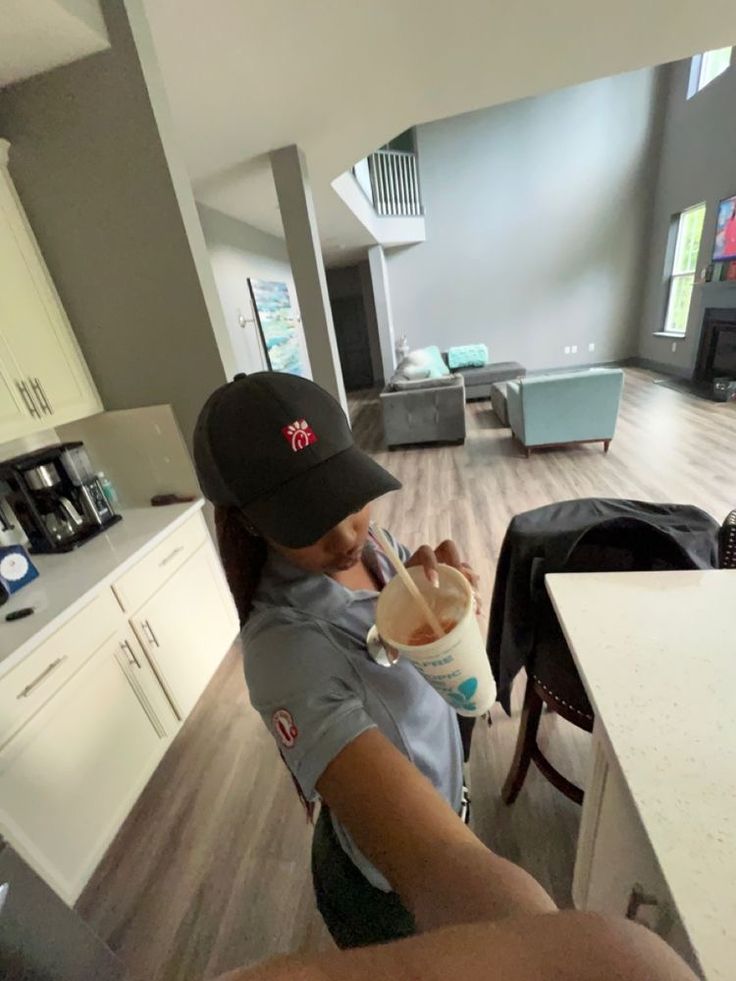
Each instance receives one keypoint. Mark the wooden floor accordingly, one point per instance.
(211, 870)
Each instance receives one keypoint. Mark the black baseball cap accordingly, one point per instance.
(280, 448)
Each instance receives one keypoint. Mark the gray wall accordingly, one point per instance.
(90, 168)
(238, 251)
(697, 163)
(536, 216)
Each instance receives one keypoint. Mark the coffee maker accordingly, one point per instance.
(56, 497)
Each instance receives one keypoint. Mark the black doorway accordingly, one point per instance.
(351, 332)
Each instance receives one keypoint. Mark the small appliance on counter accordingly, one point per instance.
(11, 530)
(16, 570)
(56, 496)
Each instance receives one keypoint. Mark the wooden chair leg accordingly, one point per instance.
(606, 444)
(525, 744)
(565, 786)
(528, 451)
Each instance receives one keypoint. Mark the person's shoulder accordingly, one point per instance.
(283, 648)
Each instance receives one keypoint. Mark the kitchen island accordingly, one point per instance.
(657, 655)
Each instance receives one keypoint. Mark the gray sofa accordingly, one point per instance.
(424, 411)
(478, 381)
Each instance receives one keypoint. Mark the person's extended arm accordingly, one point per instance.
(441, 871)
(566, 946)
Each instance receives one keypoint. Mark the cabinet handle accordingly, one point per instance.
(127, 649)
(171, 555)
(46, 399)
(150, 635)
(28, 399)
(637, 899)
(42, 677)
(38, 390)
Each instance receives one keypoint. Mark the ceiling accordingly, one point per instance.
(340, 77)
(36, 35)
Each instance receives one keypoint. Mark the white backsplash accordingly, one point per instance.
(27, 444)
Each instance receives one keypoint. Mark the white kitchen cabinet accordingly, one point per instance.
(69, 776)
(42, 366)
(616, 870)
(16, 418)
(137, 585)
(187, 627)
(33, 681)
(89, 710)
(142, 677)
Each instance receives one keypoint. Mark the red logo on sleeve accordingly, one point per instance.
(283, 726)
(299, 435)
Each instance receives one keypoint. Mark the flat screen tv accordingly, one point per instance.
(725, 247)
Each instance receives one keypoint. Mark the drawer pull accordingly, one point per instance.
(150, 635)
(29, 689)
(38, 391)
(127, 649)
(170, 556)
(637, 899)
(28, 400)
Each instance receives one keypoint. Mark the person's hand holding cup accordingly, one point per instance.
(446, 553)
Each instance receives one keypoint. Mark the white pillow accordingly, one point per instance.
(415, 365)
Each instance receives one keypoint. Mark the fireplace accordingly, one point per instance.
(717, 350)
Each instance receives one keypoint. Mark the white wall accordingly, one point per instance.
(536, 217)
(697, 163)
(239, 251)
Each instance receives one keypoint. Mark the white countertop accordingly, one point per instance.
(657, 655)
(67, 581)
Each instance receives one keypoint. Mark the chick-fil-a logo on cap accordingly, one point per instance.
(299, 434)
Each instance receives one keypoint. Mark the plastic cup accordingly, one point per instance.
(455, 665)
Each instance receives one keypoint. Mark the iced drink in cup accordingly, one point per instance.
(456, 664)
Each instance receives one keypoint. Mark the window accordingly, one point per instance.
(706, 67)
(688, 229)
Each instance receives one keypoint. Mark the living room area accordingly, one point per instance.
(569, 236)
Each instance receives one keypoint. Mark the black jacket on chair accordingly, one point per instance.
(591, 534)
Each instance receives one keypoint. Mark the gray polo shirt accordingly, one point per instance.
(311, 678)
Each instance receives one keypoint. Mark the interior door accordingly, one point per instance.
(69, 777)
(187, 627)
(33, 323)
(351, 334)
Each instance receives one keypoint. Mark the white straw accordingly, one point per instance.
(407, 580)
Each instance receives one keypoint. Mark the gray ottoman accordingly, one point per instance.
(478, 381)
(498, 401)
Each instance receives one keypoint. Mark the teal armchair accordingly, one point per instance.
(571, 407)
